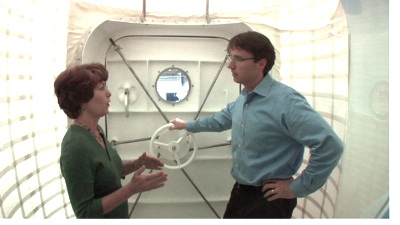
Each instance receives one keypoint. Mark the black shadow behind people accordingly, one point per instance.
(271, 124)
(91, 167)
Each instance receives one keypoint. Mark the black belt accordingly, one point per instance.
(247, 187)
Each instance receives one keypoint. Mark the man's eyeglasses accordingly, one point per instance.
(237, 58)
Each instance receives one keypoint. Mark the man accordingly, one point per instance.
(271, 125)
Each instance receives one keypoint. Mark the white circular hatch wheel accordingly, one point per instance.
(174, 146)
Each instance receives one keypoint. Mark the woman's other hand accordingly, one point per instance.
(141, 183)
(149, 161)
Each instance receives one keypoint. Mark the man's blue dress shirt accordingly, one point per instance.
(270, 128)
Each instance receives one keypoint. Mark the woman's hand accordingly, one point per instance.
(149, 161)
(141, 183)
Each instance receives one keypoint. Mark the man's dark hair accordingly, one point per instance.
(257, 44)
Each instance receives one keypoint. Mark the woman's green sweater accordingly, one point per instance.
(91, 172)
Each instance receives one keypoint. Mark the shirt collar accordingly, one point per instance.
(263, 87)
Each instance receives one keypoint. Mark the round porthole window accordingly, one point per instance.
(173, 85)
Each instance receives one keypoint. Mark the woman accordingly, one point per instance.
(91, 167)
